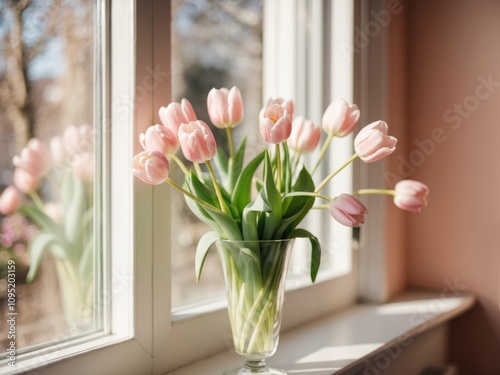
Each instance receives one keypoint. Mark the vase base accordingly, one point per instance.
(261, 371)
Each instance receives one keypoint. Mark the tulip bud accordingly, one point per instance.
(197, 141)
(176, 114)
(285, 103)
(225, 107)
(410, 195)
(305, 135)
(159, 138)
(25, 181)
(372, 143)
(151, 167)
(9, 200)
(276, 125)
(340, 118)
(347, 210)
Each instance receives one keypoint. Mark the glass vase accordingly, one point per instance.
(255, 274)
(77, 297)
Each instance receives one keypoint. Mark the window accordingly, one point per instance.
(141, 334)
(50, 247)
(296, 58)
(305, 32)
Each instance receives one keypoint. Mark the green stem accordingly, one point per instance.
(260, 331)
(278, 159)
(36, 199)
(217, 188)
(321, 206)
(198, 170)
(375, 191)
(331, 175)
(295, 162)
(192, 196)
(230, 141)
(258, 300)
(181, 165)
(322, 153)
(307, 194)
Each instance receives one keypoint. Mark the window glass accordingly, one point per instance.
(214, 44)
(48, 179)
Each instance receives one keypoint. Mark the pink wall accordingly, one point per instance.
(453, 51)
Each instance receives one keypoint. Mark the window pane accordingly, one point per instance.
(214, 44)
(47, 88)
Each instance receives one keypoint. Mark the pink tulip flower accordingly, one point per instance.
(34, 158)
(9, 200)
(276, 124)
(305, 135)
(25, 181)
(372, 143)
(411, 195)
(197, 141)
(225, 107)
(340, 118)
(159, 138)
(176, 114)
(347, 210)
(285, 103)
(151, 167)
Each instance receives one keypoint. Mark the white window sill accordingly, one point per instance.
(342, 342)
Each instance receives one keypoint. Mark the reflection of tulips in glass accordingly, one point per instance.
(64, 217)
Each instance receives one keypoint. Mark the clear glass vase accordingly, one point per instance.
(255, 274)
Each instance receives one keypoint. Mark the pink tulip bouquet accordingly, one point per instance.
(255, 208)
(238, 202)
(64, 172)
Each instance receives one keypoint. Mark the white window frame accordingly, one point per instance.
(140, 337)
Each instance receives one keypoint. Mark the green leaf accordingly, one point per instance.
(204, 245)
(42, 220)
(225, 224)
(243, 188)
(86, 263)
(236, 165)
(38, 244)
(296, 208)
(201, 190)
(73, 214)
(287, 169)
(315, 250)
(222, 164)
(249, 225)
(273, 199)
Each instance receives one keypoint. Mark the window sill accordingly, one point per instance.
(342, 342)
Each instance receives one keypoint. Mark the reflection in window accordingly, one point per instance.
(47, 179)
(214, 44)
